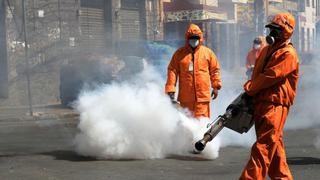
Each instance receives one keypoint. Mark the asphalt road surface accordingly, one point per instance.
(42, 149)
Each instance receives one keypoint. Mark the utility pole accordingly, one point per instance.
(266, 9)
(59, 14)
(260, 15)
(60, 44)
(3, 53)
(154, 20)
(26, 55)
(266, 6)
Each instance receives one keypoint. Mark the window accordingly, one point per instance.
(150, 5)
(130, 4)
(314, 37)
(313, 3)
(303, 44)
(318, 7)
(308, 40)
(308, 3)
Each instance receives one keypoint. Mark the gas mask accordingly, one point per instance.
(256, 46)
(257, 43)
(275, 35)
(194, 41)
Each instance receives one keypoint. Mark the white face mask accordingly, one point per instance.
(194, 42)
(256, 46)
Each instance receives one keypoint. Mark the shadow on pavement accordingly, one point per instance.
(188, 158)
(68, 156)
(58, 155)
(11, 155)
(73, 156)
(303, 160)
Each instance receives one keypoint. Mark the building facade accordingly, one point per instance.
(305, 13)
(115, 25)
(217, 19)
(60, 30)
(307, 29)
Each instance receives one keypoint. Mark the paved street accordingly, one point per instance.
(42, 149)
(116, 64)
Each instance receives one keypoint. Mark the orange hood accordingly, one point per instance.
(285, 21)
(193, 30)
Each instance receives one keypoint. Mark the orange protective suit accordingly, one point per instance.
(273, 87)
(194, 85)
(253, 54)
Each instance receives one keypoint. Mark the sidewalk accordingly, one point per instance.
(45, 112)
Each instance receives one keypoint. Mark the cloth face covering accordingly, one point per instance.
(194, 42)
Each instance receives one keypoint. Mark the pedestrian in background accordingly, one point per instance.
(198, 71)
(253, 54)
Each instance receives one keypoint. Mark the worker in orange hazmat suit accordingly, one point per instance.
(253, 54)
(273, 87)
(196, 66)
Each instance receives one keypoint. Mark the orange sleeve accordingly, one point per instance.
(173, 72)
(214, 72)
(274, 72)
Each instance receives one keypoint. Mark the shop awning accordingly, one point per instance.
(286, 6)
(185, 11)
(194, 15)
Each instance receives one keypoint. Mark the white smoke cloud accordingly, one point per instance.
(135, 120)
(305, 112)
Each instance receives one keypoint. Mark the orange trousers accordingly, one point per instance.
(198, 109)
(267, 154)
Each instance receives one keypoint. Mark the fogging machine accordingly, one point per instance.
(238, 117)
